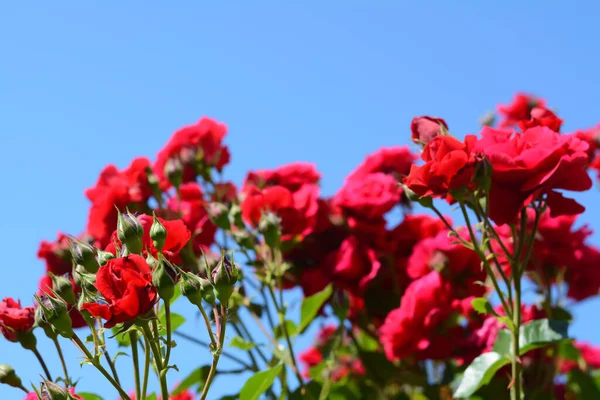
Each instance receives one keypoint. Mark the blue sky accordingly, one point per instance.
(83, 84)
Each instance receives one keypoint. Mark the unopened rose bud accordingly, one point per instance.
(130, 232)
(163, 278)
(197, 290)
(243, 239)
(235, 216)
(224, 277)
(42, 323)
(174, 171)
(9, 377)
(425, 128)
(104, 256)
(84, 279)
(158, 233)
(488, 119)
(63, 287)
(270, 227)
(153, 183)
(84, 254)
(425, 201)
(52, 391)
(219, 215)
(56, 313)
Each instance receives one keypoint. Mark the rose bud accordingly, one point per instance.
(158, 234)
(130, 232)
(154, 183)
(9, 377)
(84, 279)
(63, 287)
(270, 227)
(42, 323)
(219, 215)
(425, 128)
(197, 289)
(224, 276)
(104, 256)
(243, 239)
(84, 254)
(52, 391)
(235, 216)
(174, 171)
(163, 278)
(56, 313)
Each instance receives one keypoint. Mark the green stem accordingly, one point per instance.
(136, 363)
(147, 352)
(224, 354)
(251, 339)
(23, 389)
(484, 259)
(99, 367)
(42, 363)
(158, 361)
(213, 367)
(209, 330)
(169, 332)
(62, 361)
(286, 334)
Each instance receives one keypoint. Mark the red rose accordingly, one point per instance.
(46, 286)
(532, 163)
(126, 284)
(449, 164)
(519, 109)
(290, 176)
(425, 128)
(201, 141)
(14, 318)
(395, 161)
(592, 138)
(185, 395)
(56, 254)
(115, 189)
(583, 276)
(541, 116)
(408, 330)
(413, 229)
(441, 253)
(225, 192)
(310, 358)
(370, 197)
(354, 264)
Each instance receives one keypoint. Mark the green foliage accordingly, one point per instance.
(259, 383)
(311, 306)
(196, 378)
(240, 343)
(89, 396)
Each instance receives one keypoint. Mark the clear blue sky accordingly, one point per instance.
(83, 84)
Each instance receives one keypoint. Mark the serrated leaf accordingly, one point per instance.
(259, 383)
(503, 343)
(176, 321)
(539, 333)
(311, 306)
(290, 326)
(89, 396)
(479, 373)
(483, 306)
(240, 343)
(196, 377)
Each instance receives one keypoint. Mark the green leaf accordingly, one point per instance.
(311, 306)
(483, 306)
(583, 385)
(568, 351)
(259, 383)
(89, 396)
(196, 377)
(176, 321)
(240, 343)
(539, 333)
(503, 343)
(151, 396)
(480, 372)
(290, 326)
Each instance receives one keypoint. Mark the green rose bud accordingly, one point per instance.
(158, 234)
(164, 278)
(9, 377)
(174, 171)
(56, 313)
(219, 215)
(84, 279)
(63, 287)
(197, 290)
(84, 254)
(130, 232)
(224, 277)
(52, 391)
(270, 227)
(42, 323)
(104, 256)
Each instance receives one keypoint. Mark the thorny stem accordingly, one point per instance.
(158, 361)
(42, 363)
(62, 361)
(224, 354)
(217, 353)
(169, 332)
(99, 367)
